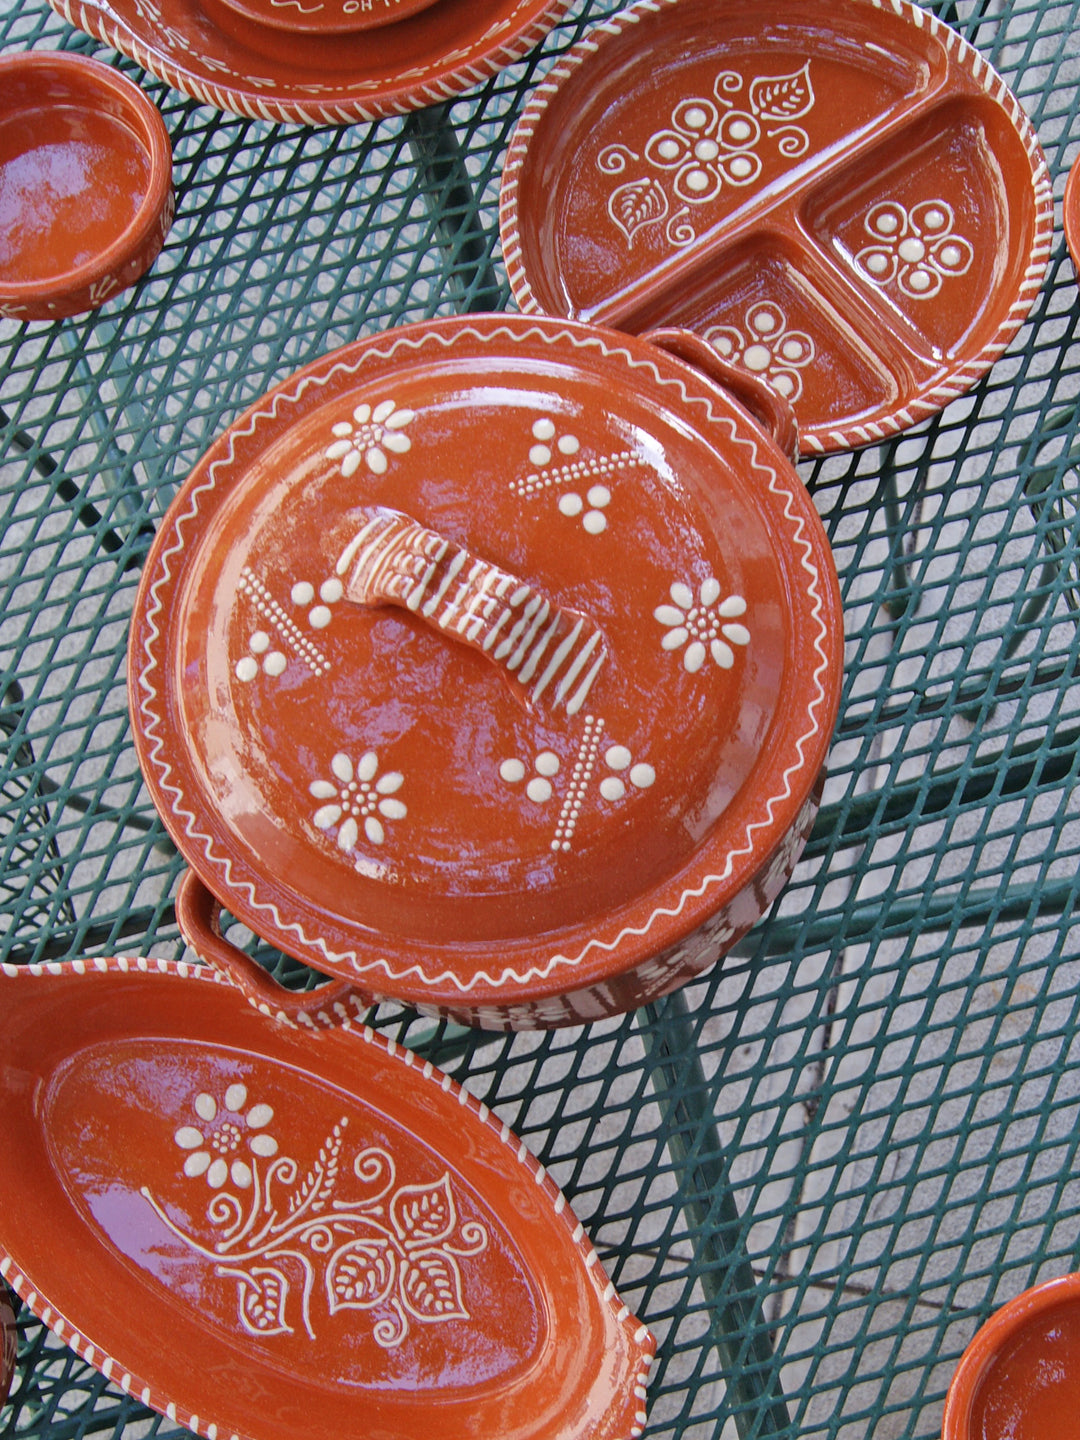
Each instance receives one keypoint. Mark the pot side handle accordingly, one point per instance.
(768, 407)
(550, 654)
(198, 913)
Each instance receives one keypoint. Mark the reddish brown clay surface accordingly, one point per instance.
(207, 50)
(491, 663)
(8, 1343)
(279, 1234)
(86, 195)
(1072, 214)
(843, 198)
(326, 17)
(1020, 1377)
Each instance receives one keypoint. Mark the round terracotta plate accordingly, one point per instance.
(1020, 1375)
(844, 198)
(326, 17)
(86, 193)
(206, 50)
(484, 661)
(263, 1237)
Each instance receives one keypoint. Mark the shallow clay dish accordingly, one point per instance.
(86, 194)
(326, 17)
(844, 198)
(206, 50)
(1020, 1376)
(490, 664)
(280, 1236)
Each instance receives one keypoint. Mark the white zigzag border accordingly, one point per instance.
(152, 721)
(952, 383)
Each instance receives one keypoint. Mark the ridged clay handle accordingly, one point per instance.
(551, 654)
(198, 913)
(768, 407)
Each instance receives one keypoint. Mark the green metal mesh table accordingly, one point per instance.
(814, 1172)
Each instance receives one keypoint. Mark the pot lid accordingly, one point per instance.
(843, 198)
(484, 656)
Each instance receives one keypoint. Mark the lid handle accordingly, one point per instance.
(550, 653)
(766, 405)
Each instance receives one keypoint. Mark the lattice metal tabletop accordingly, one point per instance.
(814, 1172)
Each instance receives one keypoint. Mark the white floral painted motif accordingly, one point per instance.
(370, 434)
(358, 796)
(711, 143)
(217, 1144)
(269, 645)
(769, 347)
(578, 498)
(393, 1251)
(547, 767)
(916, 248)
(705, 626)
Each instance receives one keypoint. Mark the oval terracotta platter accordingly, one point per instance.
(844, 198)
(278, 1234)
(491, 664)
(207, 50)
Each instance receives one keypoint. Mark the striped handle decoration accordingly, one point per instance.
(552, 654)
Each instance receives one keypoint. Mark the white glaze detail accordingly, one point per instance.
(574, 784)
(711, 143)
(581, 482)
(916, 248)
(367, 438)
(768, 347)
(393, 1250)
(263, 653)
(703, 626)
(357, 798)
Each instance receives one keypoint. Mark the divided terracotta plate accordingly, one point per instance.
(86, 193)
(490, 664)
(843, 198)
(206, 50)
(264, 1235)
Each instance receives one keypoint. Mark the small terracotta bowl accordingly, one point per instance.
(86, 195)
(1020, 1375)
(326, 17)
(8, 1342)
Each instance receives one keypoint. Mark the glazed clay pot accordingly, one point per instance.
(86, 193)
(1020, 1376)
(490, 665)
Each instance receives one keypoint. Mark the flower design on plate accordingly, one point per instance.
(917, 248)
(369, 435)
(705, 626)
(770, 348)
(357, 796)
(216, 1145)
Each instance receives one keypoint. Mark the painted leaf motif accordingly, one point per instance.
(261, 1295)
(431, 1287)
(360, 1275)
(782, 97)
(424, 1215)
(636, 204)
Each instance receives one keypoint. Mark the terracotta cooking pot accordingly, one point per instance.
(490, 665)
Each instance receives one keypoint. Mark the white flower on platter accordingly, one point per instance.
(358, 798)
(368, 437)
(215, 1145)
(706, 626)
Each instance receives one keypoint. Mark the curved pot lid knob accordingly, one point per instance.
(551, 654)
